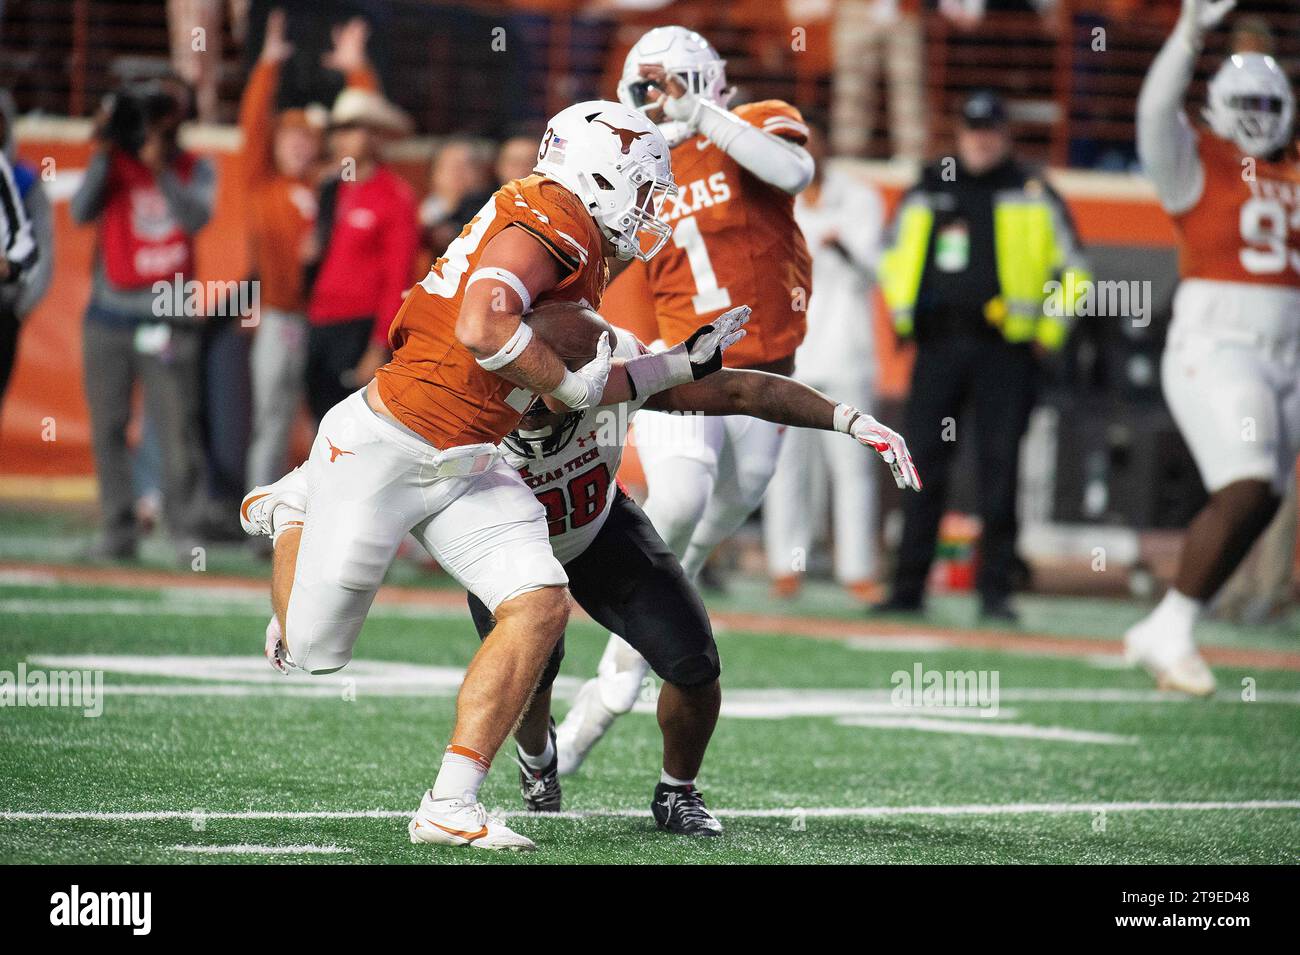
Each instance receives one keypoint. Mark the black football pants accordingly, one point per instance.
(998, 382)
(628, 581)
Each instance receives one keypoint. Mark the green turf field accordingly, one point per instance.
(812, 761)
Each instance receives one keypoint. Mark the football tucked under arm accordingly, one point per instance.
(514, 270)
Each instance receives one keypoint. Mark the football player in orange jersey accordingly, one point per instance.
(1231, 367)
(417, 449)
(734, 240)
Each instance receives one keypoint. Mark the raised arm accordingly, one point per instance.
(1166, 142)
(257, 105)
(773, 152)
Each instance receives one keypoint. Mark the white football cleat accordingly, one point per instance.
(1171, 661)
(454, 822)
(276, 654)
(582, 728)
(259, 504)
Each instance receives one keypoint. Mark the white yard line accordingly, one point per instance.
(187, 607)
(829, 812)
(252, 849)
(987, 727)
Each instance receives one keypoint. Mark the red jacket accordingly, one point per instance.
(371, 253)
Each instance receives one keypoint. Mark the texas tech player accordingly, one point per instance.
(1231, 367)
(734, 240)
(620, 570)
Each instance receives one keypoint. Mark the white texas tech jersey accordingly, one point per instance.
(575, 482)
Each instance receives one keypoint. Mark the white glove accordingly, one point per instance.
(888, 444)
(693, 359)
(707, 343)
(1200, 16)
(583, 388)
(684, 108)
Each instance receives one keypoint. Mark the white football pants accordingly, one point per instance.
(795, 507)
(370, 483)
(1231, 376)
(706, 475)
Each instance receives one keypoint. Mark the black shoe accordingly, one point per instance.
(999, 610)
(898, 605)
(541, 787)
(680, 810)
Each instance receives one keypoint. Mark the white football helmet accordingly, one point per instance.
(616, 161)
(685, 53)
(1250, 103)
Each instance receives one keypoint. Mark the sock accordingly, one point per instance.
(462, 773)
(540, 761)
(674, 781)
(1179, 612)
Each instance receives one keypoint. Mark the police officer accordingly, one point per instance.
(982, 269)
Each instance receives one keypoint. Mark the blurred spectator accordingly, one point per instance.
(973, 251)
(516, 158)
(366, 239)
(27, 273)
(842, 218)
(314, 26)
(868, 34)
(459, 184)
(280, 163)
(194, 27)
(149, 197)
(1252, 35)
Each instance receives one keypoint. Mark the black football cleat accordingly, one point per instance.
(681, 811)
(541, 787)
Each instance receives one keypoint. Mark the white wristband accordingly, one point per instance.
(845, 415)
(510, 350)
(659, 371)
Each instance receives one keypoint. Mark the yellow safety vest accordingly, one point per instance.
(1041, 275)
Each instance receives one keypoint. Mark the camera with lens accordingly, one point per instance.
(136, 108)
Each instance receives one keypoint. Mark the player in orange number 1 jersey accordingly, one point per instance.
(734, 240)
(1231, 368)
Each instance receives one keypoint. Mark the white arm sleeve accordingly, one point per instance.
(1166, 142)
(776, 161)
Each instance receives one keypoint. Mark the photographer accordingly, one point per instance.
(148, 198)
(26, 241)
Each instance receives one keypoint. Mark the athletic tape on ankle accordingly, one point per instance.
(471, 754)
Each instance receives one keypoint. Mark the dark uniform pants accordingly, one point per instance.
(629, 582)
(1000, 381)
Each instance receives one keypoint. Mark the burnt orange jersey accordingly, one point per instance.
(433, 385)
(1246, 225)
(735, 242)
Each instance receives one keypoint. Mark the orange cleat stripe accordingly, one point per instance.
(249, 502)
(468, 836)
